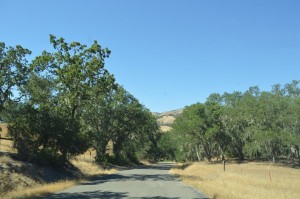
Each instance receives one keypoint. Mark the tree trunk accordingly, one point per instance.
(209, 158)
(223, 156)
(197, 152)
(239, 150)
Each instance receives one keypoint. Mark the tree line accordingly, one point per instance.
(65, 101)
(254, 125)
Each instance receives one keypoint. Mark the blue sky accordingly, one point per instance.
(170, 54)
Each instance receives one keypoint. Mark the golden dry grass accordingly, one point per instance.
(165, 128)
(243, 181)
(23, 186)
(3, 126)
(40, 190)
(7, 146)
(90, 168)
(166, 119)
(36, 189)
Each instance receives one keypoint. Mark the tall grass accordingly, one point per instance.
(243, 181)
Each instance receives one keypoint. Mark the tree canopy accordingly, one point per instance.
(253, 124)
(70, 102)
(66, 101)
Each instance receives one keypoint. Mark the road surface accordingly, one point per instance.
(148, 182)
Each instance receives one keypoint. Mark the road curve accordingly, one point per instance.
(147, 182)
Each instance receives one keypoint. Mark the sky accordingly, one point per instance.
(170, 54)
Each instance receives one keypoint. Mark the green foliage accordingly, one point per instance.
(119, 118)
(253, 124)
(48, 156)
(75, 70)
(200, 130)
(36, 130)
(166, 146)
(70, 102)
(56, 92)
(14, 72)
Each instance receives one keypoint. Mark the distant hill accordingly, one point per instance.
(166, 119)
(174, 113)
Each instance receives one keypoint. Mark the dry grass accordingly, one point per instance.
(165, 128)
(40, 190)
(166, 119)
(243, 181)
(3, 126)
(18, 179)
(7, 146)
(24, 187)
(90, 168)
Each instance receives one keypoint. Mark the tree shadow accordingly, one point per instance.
(160, 166)
(102, 194)
(87, 195)
(122, 178)
(133, 177)
(38, 172)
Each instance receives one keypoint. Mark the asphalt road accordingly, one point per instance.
(148, 182)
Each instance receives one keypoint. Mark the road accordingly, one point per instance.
(147, 182)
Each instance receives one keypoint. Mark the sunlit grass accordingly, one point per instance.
(40, 190)
(5, 145)
(90, 168)
(243, 181)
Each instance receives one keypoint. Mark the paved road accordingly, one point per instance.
(149, 182)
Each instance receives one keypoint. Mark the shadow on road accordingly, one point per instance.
(145, 174)
(86, 195)
(158, 166)
(135, 177)
(102, 194)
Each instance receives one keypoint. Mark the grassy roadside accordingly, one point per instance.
(20, 179)
(39, 190)
(242, 181)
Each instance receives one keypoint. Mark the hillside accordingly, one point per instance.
(166, 119)
(22, 179)
(174, 113)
